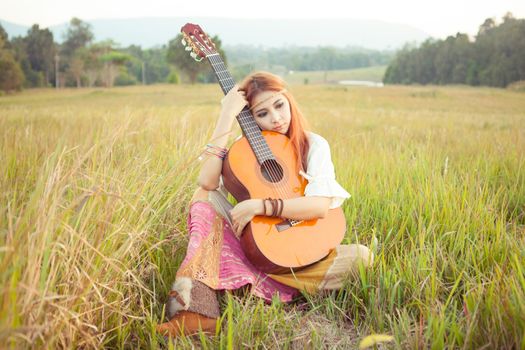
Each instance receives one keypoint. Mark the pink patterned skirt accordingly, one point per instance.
(215, 257)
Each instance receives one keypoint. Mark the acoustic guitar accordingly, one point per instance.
(262, 164)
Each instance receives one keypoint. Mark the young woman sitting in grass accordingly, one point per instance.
(214, 259)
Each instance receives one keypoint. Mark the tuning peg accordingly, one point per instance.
(187, 48)
(195, 57)
(183, 42)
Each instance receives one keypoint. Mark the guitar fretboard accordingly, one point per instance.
(246, 120)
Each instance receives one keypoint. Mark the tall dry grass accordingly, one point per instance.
(94, 192)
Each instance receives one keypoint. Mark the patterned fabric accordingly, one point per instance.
(215, 258)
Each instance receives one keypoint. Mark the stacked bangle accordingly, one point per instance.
(219, 152)
(277, 206)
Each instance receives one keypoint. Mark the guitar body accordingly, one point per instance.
(272, 244)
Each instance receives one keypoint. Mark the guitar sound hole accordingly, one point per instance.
(272, 170)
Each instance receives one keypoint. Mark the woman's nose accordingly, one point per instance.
(275, 116)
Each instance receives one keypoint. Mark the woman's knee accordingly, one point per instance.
(200, 194)
(363, 254)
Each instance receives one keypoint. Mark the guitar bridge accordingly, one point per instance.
(286, 224)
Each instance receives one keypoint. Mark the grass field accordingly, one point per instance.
(94, 188)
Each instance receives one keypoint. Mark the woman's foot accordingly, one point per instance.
(191, 306)
(187, 323)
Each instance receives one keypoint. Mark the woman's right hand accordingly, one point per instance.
(233, 103)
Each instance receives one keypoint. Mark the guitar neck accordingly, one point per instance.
(246, 120)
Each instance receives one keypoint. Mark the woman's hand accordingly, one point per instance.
(233, 103)
(244, 212)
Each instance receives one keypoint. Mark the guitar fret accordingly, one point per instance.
(219, 63)
(222, 76)
(262, 148)
(219, 66)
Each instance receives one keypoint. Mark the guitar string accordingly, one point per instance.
(270, 164)
(272, 169)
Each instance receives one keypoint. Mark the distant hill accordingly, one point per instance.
(150, 32)
(13, 29)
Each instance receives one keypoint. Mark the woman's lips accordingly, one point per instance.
(278, 128)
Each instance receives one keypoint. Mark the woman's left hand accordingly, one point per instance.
(243, 213)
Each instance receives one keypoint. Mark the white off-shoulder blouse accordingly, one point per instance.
(320, 173)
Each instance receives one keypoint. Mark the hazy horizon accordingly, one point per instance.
(437, 19)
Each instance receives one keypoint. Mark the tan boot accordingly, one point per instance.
(187, 323)
(191, 306)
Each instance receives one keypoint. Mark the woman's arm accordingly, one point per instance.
(232, 105)
(300, 208)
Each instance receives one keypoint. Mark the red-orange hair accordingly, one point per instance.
(258, 82)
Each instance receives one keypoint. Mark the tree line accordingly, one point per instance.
(495, 57)
(246, 58)
(36, 60)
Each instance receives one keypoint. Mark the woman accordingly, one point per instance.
(215, 260)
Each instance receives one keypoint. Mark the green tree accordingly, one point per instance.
(31, 78)
(4, 39)
(173, 77)
(11, 75)
(495, 58)
(78, 35)
(155, 63)
(76, 68)
(40, 49)
(114, 61)
(92, 65)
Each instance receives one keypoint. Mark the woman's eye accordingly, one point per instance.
(262, 114)
(279, 105)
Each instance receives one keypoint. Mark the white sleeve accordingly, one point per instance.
(321, 174)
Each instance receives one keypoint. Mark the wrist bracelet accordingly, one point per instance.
(266, 210)
(219, 152)
(264, 206)
(222, 149)
(277, 206)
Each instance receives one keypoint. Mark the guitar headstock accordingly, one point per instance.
(197, 41)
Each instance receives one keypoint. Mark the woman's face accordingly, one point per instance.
(272, 111)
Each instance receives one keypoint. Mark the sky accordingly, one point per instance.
(437, 18)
